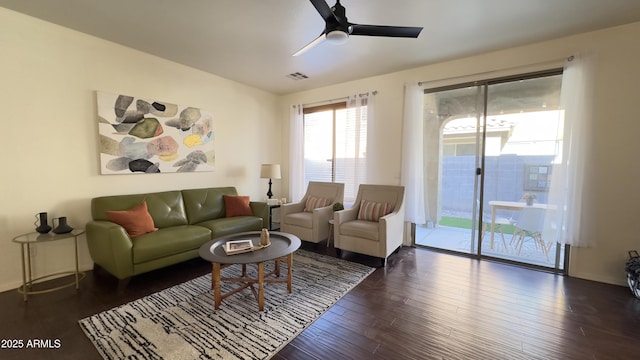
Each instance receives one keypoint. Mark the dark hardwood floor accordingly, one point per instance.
(422, 305)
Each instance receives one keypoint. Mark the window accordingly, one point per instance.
(335, 146)
(537, 177)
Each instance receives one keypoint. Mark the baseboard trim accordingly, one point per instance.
(14, 285)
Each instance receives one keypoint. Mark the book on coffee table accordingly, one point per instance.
(238, 247)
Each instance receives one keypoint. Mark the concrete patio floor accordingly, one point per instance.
(459, 240)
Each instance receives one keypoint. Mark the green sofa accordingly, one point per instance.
(185, 219)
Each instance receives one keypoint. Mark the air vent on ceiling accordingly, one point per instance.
(297, 76)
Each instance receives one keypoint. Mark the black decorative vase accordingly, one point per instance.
(62, 227)
(43, 228)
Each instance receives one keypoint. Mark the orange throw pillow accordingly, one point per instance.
(137, 220)
(237, 206)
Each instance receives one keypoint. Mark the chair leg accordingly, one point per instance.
(516, 233)
(514, 239)
(520, 242)
(549, 245)
(484, 231)
(504, 243)
(543, 246)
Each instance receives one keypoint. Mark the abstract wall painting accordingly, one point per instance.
(141, 136)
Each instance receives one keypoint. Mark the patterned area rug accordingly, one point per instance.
(180, 322)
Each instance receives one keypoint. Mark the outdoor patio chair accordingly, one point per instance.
(530, 224)
(498, 227)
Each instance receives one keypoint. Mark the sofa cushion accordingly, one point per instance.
(302, 219)
(313, 203)
(167, 209)
(373, 211)
(232, 225)
(360, 228)
(169, 241)
(206, 204)
(237, 206)
(137, 220)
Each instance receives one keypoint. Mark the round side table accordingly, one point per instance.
(25, 241)
(330, 236)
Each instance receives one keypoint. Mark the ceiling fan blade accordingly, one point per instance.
(381, 30)
(324, 9)
(315, 42)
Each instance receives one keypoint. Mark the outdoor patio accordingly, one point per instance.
(459, 240)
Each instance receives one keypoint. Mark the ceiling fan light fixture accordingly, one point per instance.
(337, 37)
(338, 29)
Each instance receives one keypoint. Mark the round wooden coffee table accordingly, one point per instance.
(282, 247)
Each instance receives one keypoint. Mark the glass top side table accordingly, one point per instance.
(25, 241)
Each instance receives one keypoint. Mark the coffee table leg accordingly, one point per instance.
(215, 279)
(289, 272)
(261, 286)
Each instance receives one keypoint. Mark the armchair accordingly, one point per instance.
(375, 224)
(309, 218)
(530, 223)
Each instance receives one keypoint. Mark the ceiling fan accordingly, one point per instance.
(338, 28)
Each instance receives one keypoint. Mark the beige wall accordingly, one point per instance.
(49, 76)
(613, 174)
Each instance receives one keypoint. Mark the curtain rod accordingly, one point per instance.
(553, 61)
(374, 92)
(331, 101)
(325, 102)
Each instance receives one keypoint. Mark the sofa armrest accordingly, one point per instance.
(260, 209)
(394, 219)
(323, 214)
(110, 247)
(321, 217)
(391, 231)
(345, 215)
(340, 217)
(286, 209)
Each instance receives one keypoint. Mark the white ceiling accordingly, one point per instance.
(251, 41)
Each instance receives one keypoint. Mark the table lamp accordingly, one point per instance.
(270, 171)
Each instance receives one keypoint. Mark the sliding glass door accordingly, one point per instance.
(454, 122)
(490, 148)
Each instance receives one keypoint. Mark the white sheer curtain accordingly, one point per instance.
(354, 144)
(412, 173)
(352, 147)
(413, 155)
(296, 154)
(563, 223)
(372, 147)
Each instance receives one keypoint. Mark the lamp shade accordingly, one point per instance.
(270, 171)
